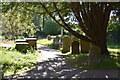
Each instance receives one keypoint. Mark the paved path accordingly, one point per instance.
(6, 45)
(53, 65)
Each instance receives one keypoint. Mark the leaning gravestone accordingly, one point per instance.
(75, 47)
(85, 46)
(66, 44)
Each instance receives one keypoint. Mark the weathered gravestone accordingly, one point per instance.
(56, 41)
(74, 39)
(75, 47)
(21, 45)
(66, 44)
(32, 42)
(85, 46)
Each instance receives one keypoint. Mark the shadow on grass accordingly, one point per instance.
(58, 68)
(107, 62)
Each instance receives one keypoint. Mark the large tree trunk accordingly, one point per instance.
(94, 54)
(93, 20)
(104, 49)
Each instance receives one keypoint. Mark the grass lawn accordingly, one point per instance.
(13, 61)
(45, 42)
(107, 62)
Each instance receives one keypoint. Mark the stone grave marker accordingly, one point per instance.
(56, 41)
(75, 47)
(66, 44)
(74, 39)
(85, 46)
(32, 42)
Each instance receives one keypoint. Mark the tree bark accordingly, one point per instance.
(94, 54)
(93, 20)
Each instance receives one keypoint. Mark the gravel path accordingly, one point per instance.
(52, 65)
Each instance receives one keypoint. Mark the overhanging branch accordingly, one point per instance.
(45, 12)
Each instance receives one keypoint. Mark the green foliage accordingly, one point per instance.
(114, 24)
(51, 27)
(15, 23)
(14, 61)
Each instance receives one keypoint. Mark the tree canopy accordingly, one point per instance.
(90, 17)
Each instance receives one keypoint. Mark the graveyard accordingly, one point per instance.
(58, 42)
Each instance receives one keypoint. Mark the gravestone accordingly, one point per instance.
(85, 46)
(32, 42)
(75, 47)
(74, 39)
(55, 41)
(66, 44)
(22, 46)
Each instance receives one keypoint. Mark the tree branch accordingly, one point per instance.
(70, 30)
(44, 12)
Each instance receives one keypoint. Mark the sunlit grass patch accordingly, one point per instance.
(114, 50)
(13, 61)
(45, 42)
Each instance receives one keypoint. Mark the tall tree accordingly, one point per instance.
(92, 18)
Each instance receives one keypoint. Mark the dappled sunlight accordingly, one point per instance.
(58, 68)
(53, 65)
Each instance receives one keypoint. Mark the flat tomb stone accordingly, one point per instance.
(20, 40)
(22, 47)
(32, 42)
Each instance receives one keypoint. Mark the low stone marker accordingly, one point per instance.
(56, 42)
(20, 40)
(85, 46)
(66, 44)
(21, 45)
(32, 42)
(75, 47)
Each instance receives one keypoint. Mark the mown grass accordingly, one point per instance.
(13, 61)
(45, 42)
(107, 62)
